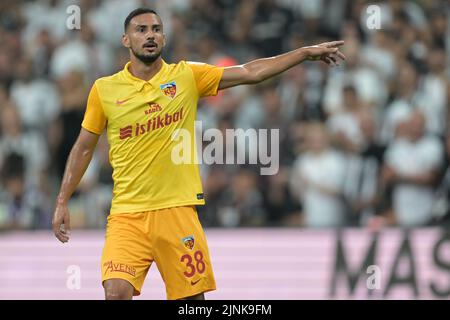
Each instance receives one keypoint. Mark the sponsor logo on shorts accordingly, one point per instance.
(195, 282)
(189, 242)
(119, 267)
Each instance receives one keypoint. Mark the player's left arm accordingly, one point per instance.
(261, 69)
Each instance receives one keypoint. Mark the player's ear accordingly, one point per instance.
(164, 40)
(126, 40)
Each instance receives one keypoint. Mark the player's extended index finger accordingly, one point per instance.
(334, 44)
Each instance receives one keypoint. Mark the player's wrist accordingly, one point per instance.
(309, 53)
(61, 201)
(305, 53)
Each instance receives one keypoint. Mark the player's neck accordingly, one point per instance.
(144, 71)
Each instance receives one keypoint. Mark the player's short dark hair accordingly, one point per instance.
(134, 13)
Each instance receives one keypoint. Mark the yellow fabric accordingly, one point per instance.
(94, 118)
(140, 117)
(173, 238)
(206, 80)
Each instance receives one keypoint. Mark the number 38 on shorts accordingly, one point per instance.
(194, 263)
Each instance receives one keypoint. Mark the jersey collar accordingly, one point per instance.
(139, 83)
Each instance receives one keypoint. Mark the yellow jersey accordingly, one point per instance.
(140, 117)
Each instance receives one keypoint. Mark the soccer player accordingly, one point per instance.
(153, 215)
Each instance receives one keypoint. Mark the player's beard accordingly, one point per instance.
(147, 58)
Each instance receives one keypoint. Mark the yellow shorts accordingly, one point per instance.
(172, 237)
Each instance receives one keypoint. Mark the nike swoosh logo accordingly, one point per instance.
(195, 282)
(119, 102)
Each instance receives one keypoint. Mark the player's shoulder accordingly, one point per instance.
(180, 65)
(195, 64)
(180, 68)
(110, 79)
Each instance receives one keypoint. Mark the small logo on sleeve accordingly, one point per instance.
(200, 196)
(189, 242)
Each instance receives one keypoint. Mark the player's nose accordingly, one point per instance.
(150, 36)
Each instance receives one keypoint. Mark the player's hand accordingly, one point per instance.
(61, 222)
(327, 52)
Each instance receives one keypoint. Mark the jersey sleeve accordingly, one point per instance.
(94, 117)
(207, 78)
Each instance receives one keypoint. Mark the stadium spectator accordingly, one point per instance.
(73, 91)
(318, 179)
(95, 187)
(83, 53)
(244, 202)
(345, 125)
(412, 164)
(23, 159)
(37, 100)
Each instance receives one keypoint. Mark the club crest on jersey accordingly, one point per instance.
(189, 242)
(169, 89)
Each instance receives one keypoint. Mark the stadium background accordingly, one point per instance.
(364, 147)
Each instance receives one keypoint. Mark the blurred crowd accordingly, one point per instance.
(365, 144)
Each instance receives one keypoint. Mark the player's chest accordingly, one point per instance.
(128, 104)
